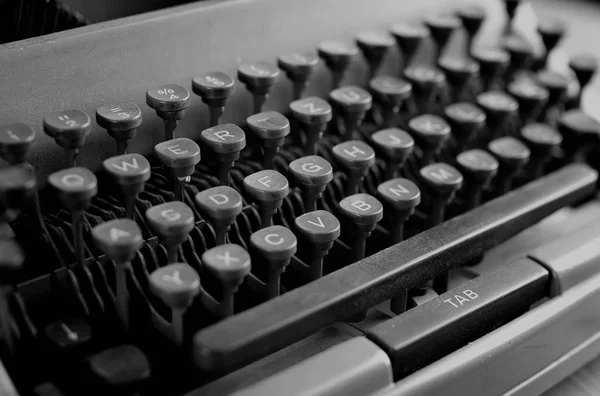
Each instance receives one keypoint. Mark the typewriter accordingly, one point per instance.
(298, 198)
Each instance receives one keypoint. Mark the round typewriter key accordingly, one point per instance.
(230, 264)
(479, 168)
(521, 54)
(298, 67)
(120, 121)
(15, 142)
(352, 103)
(551, 31)
(426, 83)
(176, 285)
(579, 131)
(395, 146)
(389, 93)
(227, 141)
(214, 88)
(180, 156)
(130, 172)
(276, 245)
(258, 78)
(513, 156)
(363, 211)
(543, 140)
(459, 74)
(493, 63)
(374, 46)
(313, 114)
(221, 205)
(557, 86)
(499, 109)
(120, 240)
(68, 334)
(401, 196)
(356, 157)
(466, 121)
(172, 221)
(321, 229)
(511, 10)
(124, 366)
(337, 56)
(11, 262)
(472, 18)
(584, 67)
(312, 173)
(271, 128)
(441, 28)
(532, 98)
(69, 129)
(267, 188)
(432, 132)
(170, 102)
(409, 39)
(17, 187)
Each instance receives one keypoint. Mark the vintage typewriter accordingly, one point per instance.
(274, 197)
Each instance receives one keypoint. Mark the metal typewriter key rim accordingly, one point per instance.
(478, 168)
(356, 157)
(426, 83)
(395, 146)
(69, 129)
(337, 55)
(441, 28)
(374, 45)
(130, 172)
(221, 205)
(466, 122)
(227, 141)
(321, 229)
(214, 88)
(459, 74)
(493, 63)
(542, 140)
(432, 132)
(298, 67)
(180, 156)
(389, 93)
(271, 128)
(532, 99)
(364, 212)
(512, 155)
(120, 121)
(276, 245)
(15, 142)
(313, 174)
(230, 263)
(170, 102)
(258, 78)
(313, 114)
(409, 38)
(172, 221)
(352, 104)
(267, 188)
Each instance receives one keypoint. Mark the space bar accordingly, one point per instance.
(271, 326)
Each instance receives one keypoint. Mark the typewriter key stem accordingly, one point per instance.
(215, 114)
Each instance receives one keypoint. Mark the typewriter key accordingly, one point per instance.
(478, 168)
(352, 104)
(472, 18)
(298, 67)
(69, 129)
(120, 121)
(337, 56)
(180, 156)
(389, 93)
(75, 188)
(17, 187)
(271, 128)
(275, 245)
(313, 174)
(466, 122)
(363, 211)
(532, 99)
(552, 32)
(401, 196)
(459, 73)
(409, 39)
(431, 132)
(542, 139)
(521, 54)
(499, 108)
(313, 114)
(214, 88)
(120, 240)
(230, 263)
(511, 11)
(374, 46)
(426, 83)
(172, 221)
(170, 102)
(69, 334)
(221, 205)
(258, 78)
(579, 131)
(512, 156)
(557, 86)
(227, 141)
(15, 142)
(130, 172)
(395, 146)
(124, 366)
(493, 63)
(321, 229)
(441, 28)
(267, 188)
(176, 285)
(11, 262)
(356, 157)
(584, 67)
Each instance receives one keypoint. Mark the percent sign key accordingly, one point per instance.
(169, 97)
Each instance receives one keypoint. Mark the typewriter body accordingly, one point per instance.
(299, 198)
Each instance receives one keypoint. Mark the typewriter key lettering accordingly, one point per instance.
(223, 134)
(124, 167)
(361, 205)
(177, 150)
(219, 199)
(215, 81)
(354, 152)
(311, 108)
(72, 180)
(117, 233)
(274, 239)
(399, 190)
(175, 278)
(170, 215)
(227, 258)
(311, 167)
(441, 174)
(319, 223)
(468, 296)
(265, 181)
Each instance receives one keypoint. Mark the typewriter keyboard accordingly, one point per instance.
(160, 274)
